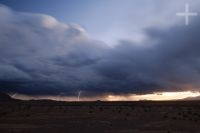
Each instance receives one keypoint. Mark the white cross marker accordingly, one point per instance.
(186, 14)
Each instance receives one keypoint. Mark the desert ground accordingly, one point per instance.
(99, 117)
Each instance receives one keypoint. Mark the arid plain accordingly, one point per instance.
(99, 117)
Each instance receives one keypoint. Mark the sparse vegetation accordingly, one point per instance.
(99, 117)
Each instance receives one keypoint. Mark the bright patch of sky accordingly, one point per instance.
(111, 20)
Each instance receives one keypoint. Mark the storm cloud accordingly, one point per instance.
(40, 55)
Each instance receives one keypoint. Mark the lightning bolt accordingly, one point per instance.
(79, 94)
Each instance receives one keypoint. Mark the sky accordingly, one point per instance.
(105, 49)
(108, 20)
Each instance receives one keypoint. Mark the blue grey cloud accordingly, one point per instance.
(40, 55)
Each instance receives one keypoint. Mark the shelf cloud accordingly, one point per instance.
(41, 56)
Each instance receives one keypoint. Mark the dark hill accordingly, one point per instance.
(5, 97)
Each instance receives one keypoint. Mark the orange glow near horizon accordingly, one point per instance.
(157, 96)
(161, 96)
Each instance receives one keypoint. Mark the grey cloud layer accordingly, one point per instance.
(39, 55)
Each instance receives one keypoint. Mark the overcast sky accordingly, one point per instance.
(99, 47)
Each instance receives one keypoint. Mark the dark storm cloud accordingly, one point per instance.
(172, 63)
(39, 55)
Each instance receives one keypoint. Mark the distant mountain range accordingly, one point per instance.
(192, 98)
